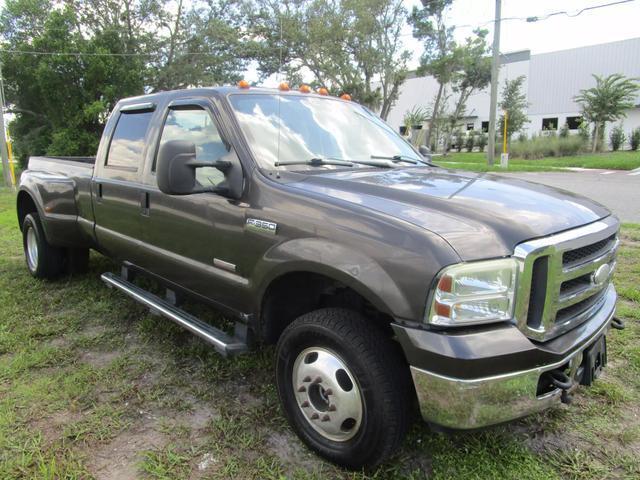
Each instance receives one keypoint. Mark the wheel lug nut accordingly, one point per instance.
(302, 389)
(304, 404)
(317, 380)
(314, 416)
(306, 379)
(328, 391)
(325, 418)
(332, 408)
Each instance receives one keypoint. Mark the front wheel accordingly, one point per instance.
(344, 387)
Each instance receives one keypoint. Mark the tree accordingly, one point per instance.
(349, 46)
(607, 102)
(440, 58)
(474, 75)
(91, 53)
(514, 102)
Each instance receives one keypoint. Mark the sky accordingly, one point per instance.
(608, 24)
(560, 32)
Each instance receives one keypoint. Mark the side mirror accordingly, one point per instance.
(176, 171)
(424, 150)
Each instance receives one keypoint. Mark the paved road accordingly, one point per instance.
(617, 189)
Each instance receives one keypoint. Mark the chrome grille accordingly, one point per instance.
(558, 288)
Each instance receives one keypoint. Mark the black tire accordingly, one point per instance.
(48, 261)
(77, 260)
(380, 371)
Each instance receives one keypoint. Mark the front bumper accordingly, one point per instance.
(462, 402)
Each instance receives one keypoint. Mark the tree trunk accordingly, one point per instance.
(434, 115)
(596, 133)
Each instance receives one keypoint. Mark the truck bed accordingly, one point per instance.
(66, 165)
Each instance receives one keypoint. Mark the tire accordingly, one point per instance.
(43, 259)
(311, 353)
(77, 260)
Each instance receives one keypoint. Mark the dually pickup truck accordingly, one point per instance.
(390, 285)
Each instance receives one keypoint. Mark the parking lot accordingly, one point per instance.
(619, 190)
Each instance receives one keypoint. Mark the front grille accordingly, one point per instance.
(558, 287)
(585, 253)
(567, 313)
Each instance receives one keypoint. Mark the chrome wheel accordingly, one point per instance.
(327, 394)
(32, 249)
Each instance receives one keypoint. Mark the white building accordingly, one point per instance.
(552, 80)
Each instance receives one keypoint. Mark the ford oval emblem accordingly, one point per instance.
(601, 275)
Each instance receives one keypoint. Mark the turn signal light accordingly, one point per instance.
(243, 84)
(284, 86)
(305, 88)
(345, 96)
(323, 91)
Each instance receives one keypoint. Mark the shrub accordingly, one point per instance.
(459, 140)
(564, 130)
(545, 146)
(634, 139)
(481, 141)
(469, 142)
(522, 137)
(617, 137)
(584, 131)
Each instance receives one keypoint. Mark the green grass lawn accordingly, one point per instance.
(91, 384)
(477, 162)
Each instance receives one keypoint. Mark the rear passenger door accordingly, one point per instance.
(116, 184)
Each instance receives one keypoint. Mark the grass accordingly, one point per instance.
(91, 384)
(477, 162)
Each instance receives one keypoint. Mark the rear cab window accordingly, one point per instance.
(128, 140)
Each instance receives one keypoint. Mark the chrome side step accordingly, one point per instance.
(222, 342)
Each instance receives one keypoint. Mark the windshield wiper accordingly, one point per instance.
(396, 158)
(315, 162)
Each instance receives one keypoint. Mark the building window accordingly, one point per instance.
(485, 127)
(403, 130)
(550, 123)
(574, 122)
(470, 126)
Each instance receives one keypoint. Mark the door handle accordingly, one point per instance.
(99, 193)
(144, 203)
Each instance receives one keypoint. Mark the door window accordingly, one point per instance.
(196, 125)
(127, 142)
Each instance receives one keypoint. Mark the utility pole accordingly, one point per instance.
(495, 65)
(6, 168)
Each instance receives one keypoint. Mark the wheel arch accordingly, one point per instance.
(313, 273)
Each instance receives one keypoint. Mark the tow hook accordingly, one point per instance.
(617, 323)
(562, 381)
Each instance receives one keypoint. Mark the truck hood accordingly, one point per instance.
(479, 215)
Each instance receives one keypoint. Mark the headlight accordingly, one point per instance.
(473, 293)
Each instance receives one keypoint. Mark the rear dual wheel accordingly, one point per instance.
(344, 386)
(45, 260)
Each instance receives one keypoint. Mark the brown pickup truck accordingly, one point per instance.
(389, 284)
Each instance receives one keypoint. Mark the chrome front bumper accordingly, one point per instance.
(472, 403)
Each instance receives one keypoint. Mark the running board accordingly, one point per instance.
(222, 342)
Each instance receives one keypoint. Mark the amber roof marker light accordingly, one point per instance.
(323, 91)
(345, 96)
(284, 87)
(243, 84)
(305, 88)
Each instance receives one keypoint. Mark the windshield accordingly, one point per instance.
(300, 128)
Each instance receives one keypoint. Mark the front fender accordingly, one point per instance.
(344, 264)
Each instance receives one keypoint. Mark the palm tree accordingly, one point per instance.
(607, 101)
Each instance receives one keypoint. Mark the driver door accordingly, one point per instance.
(192, 240)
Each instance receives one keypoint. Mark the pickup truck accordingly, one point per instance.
(389, 285)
